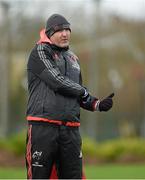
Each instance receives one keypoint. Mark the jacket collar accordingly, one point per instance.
(43, 38)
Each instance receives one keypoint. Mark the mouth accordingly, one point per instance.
(64, 40)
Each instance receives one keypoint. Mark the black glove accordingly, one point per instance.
(106, 103)
(87, 101)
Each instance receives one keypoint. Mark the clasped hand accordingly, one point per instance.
(93, 103)
(105, 104)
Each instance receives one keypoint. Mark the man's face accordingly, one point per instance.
(61, 38)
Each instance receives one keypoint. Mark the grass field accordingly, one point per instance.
(115, 172)
(92, 172)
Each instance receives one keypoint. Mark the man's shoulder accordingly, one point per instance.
(39, 50)
(43, 46)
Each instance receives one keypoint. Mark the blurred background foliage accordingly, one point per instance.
(120, 150)
(111, 52)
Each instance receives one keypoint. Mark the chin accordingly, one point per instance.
(64, 45)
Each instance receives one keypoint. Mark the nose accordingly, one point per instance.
(64, 32)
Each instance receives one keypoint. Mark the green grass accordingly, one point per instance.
(12, 173)
(115, 172)
(92, 172)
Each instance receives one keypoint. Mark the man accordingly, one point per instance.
(55, 97)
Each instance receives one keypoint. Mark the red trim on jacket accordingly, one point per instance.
(58, 122)
(94, 105)
(28, 153)
(43, 37)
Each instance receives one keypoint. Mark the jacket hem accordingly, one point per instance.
(52, 121)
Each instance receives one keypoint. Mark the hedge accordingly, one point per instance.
(115, 150)
(106, 151)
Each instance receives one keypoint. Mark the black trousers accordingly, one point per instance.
(52, 144)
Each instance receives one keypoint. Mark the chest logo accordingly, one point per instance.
(74, 63)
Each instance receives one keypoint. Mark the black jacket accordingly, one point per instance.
(54, 83)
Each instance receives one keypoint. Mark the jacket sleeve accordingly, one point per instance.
(43, 67)
(89, 105)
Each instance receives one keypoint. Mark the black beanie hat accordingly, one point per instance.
(55, 23)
